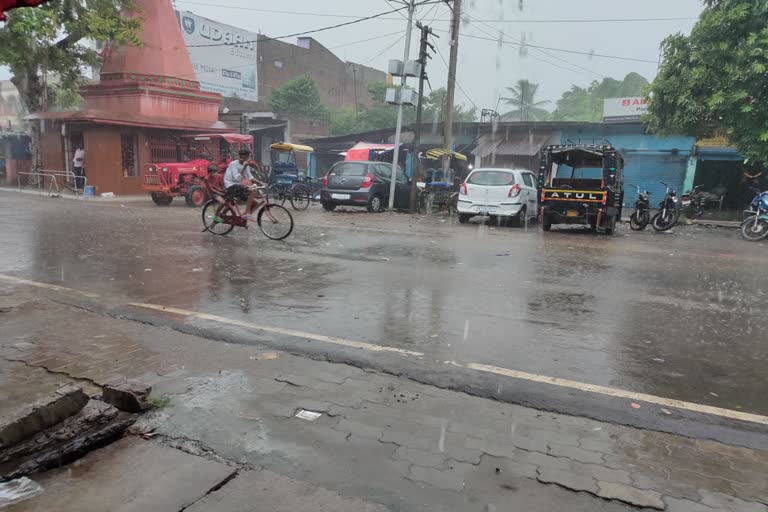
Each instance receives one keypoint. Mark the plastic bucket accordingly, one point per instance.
(89, 191)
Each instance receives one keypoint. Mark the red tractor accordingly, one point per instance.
(164, 181)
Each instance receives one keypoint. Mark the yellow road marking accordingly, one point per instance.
(532, 377)
(48, 286)
(620, 393)
(280, 330)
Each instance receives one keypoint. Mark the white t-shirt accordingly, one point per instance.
(234, 174)
(79, 158)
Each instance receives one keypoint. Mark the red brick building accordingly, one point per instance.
(146, 97)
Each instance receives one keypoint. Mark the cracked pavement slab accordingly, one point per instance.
(400, 444)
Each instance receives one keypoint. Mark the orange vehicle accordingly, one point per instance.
(185, 177)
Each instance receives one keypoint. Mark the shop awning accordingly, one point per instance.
(442, 153)
(521, 146)
(362, 150)
(125, 119)
(721, 154)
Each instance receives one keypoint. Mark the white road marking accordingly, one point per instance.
(280, 330)
(47, 286)
(620, 393)
(532, 377)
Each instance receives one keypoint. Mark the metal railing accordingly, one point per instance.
(53, 181)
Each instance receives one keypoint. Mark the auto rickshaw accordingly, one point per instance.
(285, 170)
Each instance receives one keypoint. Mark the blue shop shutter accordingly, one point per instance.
(648, 171)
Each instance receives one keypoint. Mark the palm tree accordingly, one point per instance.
(523, 96)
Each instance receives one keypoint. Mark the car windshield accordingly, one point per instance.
(491, 178)
(349, 169)
(565, 171)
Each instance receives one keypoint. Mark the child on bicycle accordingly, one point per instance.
(214, 183)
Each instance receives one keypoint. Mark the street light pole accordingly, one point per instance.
(398, 130)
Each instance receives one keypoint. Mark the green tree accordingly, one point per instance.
(299, 97)
(586, 104)
(434, 108)
(523, 99)
(381, 115)
(717, 78)
(45, 51)
(40, 43)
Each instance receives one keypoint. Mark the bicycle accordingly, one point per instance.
(299, 194)
(274, 220)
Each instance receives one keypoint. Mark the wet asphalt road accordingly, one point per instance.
(676, 315)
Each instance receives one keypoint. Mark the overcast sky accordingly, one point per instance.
(485, 66)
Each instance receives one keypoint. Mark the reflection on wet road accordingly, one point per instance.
(676, 315)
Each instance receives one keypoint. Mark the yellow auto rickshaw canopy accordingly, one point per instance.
(287, 146)
(439, 153)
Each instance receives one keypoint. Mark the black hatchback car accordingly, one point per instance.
(352, 183)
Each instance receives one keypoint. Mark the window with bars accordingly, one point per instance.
(163, 149)
(128, 152)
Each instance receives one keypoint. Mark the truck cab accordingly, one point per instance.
(581, 184)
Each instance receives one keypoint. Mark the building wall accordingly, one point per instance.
(337, 80)
(10, 105)
(103, 159)
(52, 147)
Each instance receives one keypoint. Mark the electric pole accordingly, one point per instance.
(448, 128)
(399, 129)
(423, 56)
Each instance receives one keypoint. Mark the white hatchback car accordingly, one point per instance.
(501, 194)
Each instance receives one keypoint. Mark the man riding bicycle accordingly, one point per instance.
(238, 181)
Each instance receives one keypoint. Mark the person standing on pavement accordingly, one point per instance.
(78, 166)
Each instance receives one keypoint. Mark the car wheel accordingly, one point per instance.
(518, 221)
(464, 218)
(329, 207)
(375, 204)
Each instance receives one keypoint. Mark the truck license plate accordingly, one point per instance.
(571, 213)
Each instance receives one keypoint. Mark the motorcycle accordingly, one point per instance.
(668, 213)
(694, 201)
(755, 228)
(642, 215)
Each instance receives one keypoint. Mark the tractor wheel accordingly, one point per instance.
(161, 199)
(196, 196)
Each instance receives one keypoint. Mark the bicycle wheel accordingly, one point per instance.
(275, 221)
(301, 197)
(226, 215)
(275, 195)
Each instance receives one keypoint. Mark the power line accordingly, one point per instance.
(437, 50)
(327, 15)
(323, 29)
(501, 38)
(385, 50)
(562, 50)
(291, 57)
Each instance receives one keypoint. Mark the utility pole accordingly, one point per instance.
(448, 127)
(423, 56)
(399, 129)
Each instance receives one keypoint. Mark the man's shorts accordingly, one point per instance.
(237, 192)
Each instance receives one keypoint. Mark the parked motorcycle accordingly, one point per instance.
(694, 201)
(755, 227)
(668, 213)
(642, 214)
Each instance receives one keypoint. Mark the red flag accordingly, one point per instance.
(7, 5)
